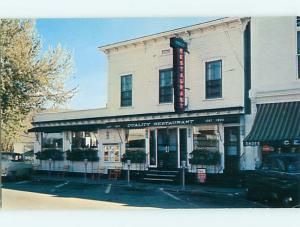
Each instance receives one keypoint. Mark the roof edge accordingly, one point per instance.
(169, 32)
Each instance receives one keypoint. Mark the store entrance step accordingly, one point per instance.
(161, 176)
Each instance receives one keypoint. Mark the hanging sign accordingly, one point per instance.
(179, 48)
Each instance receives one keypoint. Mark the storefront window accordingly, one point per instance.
(205, 138)
(111, 152)
(135, 140)
(52, 141)
(82, 140)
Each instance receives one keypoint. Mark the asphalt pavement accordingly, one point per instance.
(45, 194)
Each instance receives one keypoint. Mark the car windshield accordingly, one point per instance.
(290, 164)
(11, 157)
(6, 157)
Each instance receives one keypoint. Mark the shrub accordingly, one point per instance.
(54, 154)
(81, 154)
(138, 156)
(205, 157)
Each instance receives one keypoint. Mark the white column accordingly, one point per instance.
(221, 145)
(67, 140)
(37, 142)
(99, 148)
(189, 143)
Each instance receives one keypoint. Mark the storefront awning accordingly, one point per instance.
(275, 123)
(166, 122)
(64, 128)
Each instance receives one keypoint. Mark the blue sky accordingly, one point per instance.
(83, 36)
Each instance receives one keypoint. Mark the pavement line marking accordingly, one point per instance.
(107, 190)
(61, 185)
(23, 182)
(169, 194)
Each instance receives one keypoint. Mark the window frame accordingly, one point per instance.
(111, 154)
(221, 79)
(159, 86)
(43, 139)
(122, 92)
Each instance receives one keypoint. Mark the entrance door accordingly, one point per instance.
(167, 148)
(232, 149)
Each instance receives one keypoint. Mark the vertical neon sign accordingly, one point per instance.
(179, 49)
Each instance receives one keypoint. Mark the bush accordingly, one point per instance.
(138, 156)
(205, 157)
(81, 154)
(54, 154)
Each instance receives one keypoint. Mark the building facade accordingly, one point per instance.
(194, 103)
(274, 125)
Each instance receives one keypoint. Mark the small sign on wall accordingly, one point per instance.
(201, 175)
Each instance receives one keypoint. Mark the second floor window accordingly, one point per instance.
(126, 90)
(213, 75)
(166, 86)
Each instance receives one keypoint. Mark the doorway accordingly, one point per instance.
(232, 149)
(167, 148)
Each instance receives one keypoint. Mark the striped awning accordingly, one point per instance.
(275, 123)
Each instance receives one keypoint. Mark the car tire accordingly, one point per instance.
(287, 201)
(250, 192)
(12, 176)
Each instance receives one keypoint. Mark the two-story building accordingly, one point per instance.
(274, 125)
(177, 95)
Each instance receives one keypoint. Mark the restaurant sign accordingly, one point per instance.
(179, 48)
(176, 122)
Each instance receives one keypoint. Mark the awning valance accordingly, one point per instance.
(276, 123)
(167, 122)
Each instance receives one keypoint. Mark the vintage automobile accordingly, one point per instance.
(13, 166)
(277, 180)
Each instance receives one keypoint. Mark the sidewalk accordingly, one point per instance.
(201, 190)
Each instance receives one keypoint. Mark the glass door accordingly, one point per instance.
(167, 148)
(232, 149)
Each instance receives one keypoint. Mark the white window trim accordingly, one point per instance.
(222, 79)
(132, 104)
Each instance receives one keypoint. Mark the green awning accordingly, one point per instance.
(275, 123)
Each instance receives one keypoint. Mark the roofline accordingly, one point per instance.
(70, 111)
(233, 108)
(170, 32)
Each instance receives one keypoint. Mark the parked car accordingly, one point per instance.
(13, 166)
(277, 180)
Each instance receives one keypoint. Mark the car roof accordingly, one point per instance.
(10, 153)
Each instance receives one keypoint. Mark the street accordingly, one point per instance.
(54, 195)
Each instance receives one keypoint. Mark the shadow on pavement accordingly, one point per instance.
(129, 196)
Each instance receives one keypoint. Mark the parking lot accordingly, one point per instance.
(49, 195)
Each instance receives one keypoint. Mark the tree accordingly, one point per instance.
(29, 79)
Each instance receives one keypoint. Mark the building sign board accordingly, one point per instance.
(179, 48)
(284, 143)
(291, 142)
(176, 121)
